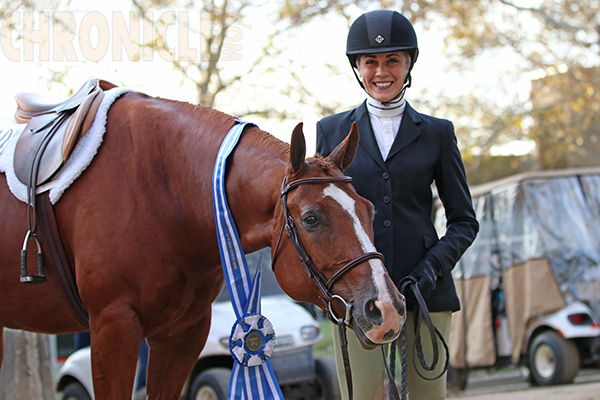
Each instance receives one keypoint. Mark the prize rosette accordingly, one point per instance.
(252, 337)
(252, 340)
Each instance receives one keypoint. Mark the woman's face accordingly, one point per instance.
(383, 74)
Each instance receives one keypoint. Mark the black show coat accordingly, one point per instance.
(425, 150)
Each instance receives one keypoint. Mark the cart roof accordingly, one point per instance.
(485, 188)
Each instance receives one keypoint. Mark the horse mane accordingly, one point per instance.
(268, 140)
(200, 111)
(265, 139)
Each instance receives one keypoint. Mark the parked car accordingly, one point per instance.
(298, 373)
(529, 284)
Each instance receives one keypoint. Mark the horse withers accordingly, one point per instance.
(139, 233)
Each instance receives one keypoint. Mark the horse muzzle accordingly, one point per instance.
(378, 320)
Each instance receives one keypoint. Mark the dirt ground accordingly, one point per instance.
(514, 386)
(574, 391)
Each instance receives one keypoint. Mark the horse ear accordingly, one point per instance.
(297, 149)
(344, 153)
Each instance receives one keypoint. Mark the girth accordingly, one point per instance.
(51, 243)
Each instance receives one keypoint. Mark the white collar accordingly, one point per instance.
(388, 109)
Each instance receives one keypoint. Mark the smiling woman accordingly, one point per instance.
(384, 74)
(401, 154)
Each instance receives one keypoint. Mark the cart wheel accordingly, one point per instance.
(457, 378)
(552, 359)
(327, 381)
(211, 384)
(75, 391)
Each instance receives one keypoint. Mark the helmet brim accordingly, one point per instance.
(371, 50)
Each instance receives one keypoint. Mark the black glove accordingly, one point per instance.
(425, 274)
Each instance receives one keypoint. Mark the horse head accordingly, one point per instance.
(330, 259)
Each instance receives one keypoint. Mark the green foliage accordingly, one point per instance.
(325, 346)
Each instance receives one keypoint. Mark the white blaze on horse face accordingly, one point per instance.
(384, 301)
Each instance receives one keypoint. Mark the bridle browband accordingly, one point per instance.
(325, 285)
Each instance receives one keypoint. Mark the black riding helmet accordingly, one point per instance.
(381, 31)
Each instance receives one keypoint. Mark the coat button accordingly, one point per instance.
(387, 223)
(386, 199)
(385, 175)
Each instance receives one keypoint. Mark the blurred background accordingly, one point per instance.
(519, 79)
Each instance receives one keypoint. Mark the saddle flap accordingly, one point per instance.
(37, 136)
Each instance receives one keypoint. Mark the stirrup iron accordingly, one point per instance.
(41, 275)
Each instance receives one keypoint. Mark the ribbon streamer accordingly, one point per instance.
(252, 338)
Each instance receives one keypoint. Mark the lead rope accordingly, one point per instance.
(420, 311)
(390, 367)
(344, 345)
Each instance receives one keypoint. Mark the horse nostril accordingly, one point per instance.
(372, 313)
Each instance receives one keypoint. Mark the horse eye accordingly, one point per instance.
(310, 221)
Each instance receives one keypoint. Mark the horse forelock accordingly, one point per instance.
(322, 162)
(315, 166)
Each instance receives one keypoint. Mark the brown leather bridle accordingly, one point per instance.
(325, 285)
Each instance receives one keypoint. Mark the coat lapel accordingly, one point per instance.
(408, 131)
(367, 137)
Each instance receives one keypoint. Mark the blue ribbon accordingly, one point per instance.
(252, 338)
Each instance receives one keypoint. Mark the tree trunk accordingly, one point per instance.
(26, 373)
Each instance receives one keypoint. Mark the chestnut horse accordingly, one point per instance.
(139, 231)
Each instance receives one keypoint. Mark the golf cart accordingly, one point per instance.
(530, 283)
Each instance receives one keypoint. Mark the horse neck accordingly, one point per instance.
(187, 136)
(253, 185)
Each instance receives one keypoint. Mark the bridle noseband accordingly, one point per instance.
(325, 285)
